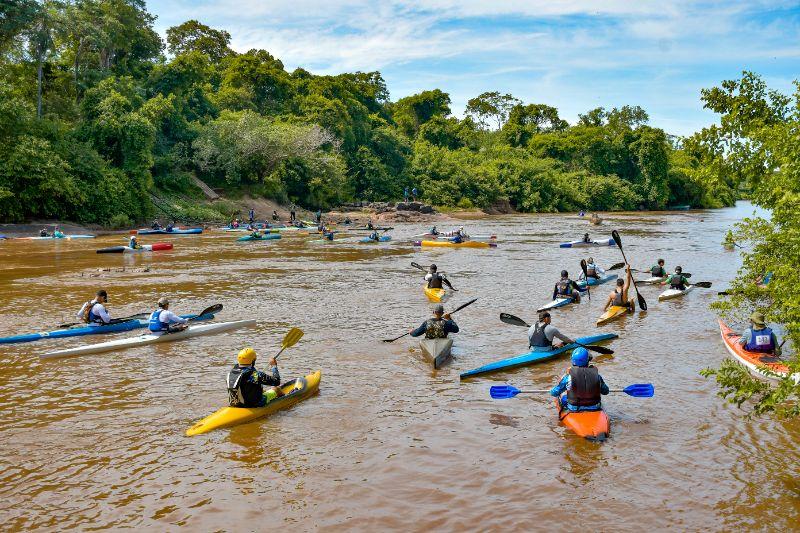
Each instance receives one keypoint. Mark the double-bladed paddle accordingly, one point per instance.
(214, 309)
(459, 308)
(517, 321)
(586, 277)
(637, 390)
(137, 316)
(290, 339)
(618, 241)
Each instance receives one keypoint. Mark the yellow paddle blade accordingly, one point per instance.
(291, 338)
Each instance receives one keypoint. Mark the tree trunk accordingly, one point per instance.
(39, 89)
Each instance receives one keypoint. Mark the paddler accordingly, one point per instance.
(658, 270)
(677, 280)
(43, 233)
(374, 236)
(759, 338)
(94, 312)
(583, 384)
(586, 238)
(170, 227)
(133, 243)
(592, 270)
(437, 327)
(255, 234)
(165, 321)
(369, 223)
(566, 288)
(246, 384)
(435, 280)
(543, 333)
(619, 297)
(327, 235)
(57, 234)
(434, 231)
(252, 215)
(275, 215)
(156, 225)
(347, 221)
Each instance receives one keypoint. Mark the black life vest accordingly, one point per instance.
(585, 386)
(564, 287)
(241, 391)
(434, 329)
(436, 281)
(539, 339)
(658, 271)
(677, 281)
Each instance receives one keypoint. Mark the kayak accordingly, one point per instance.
(558, 302)
(159, 246)
(593, 425)
(449, 244)
(436, 351)
(65, 237)
(150, 338)
(673, 293)
(536, 355)
(450, 234)
(755, 362)
(582, 244)
(596, 281)
(434, 295)
(382, 238)
(81, 330)
(375, 228)
(264, 237)
(612, 313)
(294, 391)
(190, 231)
(653, 280)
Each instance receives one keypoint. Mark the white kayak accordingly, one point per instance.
(558, 302)
(673, 293)
(150, 338)
(437, 351)
(653, 280)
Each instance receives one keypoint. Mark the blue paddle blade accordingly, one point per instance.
(640, 390)
(503, 392)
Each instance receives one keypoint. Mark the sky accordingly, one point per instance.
(573, 55)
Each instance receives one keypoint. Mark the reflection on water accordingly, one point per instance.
(98, 441)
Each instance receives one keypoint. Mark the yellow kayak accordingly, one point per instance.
(465, 244)
(294, 391)
(615, 311)
(434, 295)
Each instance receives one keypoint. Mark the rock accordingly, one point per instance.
(426, 209)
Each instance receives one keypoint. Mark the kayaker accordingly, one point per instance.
(583, 384)
(252, 215)
(275, 217)
(94, 312)
(592, 270)
(164, 320)
(582, 213)
(43, 233)
(677, 280)
(133, 243)
(374, 236)
(156, 225)
(256, 234)
(619, 297)
(328, 235)
(435, 280)
(246, 384)
(347, 221)
(586, 238)
(759, 338)
(658, 270)
(369, 223)
(566, 288)
(170, 227)
(543, 333)
(437, 327)
(457, 238)
(57, 233)
(434, 231)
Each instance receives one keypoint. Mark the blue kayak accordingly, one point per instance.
(596, 281)
(537, 355)
(79, 331)
(190, 231)
(263, 237)
(384, 238)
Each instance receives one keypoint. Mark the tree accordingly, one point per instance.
(413, 111)
(525, 121)
(491, 105)
(45, 22)
(192, 36)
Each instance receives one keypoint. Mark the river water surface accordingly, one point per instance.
(98, 441)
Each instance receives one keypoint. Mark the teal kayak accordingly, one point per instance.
(537, 355)
(264, 237)
(596, 281)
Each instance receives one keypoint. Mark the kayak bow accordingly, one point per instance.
(436, 351)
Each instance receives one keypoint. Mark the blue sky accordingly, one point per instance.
(573, 55)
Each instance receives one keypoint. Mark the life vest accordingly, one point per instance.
(676, 281)
(155, 322)
(88, 313)
(584, 388)
(241, 391)
(591, 270)
(564, 287)
(539, 339)
(618, 301)
(658, 271)
(434, 329)
(435, 282)
(761, 340)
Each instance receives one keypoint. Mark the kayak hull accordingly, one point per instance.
(294, 391)
(190, 231)
(669, 294)
(596, 281)
(558, 302)
(756, 363)
(434, 295)
(144, 340)
(157, 247)
(592, 425)
(535, 356)
(449, 244)
(436, 351)
(582, 244)
(651, 281)
(64, 238)
(264, 237)
(383, 238)
(613, 313)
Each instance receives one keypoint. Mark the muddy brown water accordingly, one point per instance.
(98, 441)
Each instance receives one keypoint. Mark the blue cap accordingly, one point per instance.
(580, 357)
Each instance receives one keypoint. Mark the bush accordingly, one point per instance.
(119, 221)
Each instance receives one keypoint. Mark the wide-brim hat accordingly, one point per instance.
(758, 319)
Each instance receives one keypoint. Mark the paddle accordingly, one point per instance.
(586, 278)
(137, 316)
(517, 321)
(451, 312)
(214, 309)
(617, 266)
(618, 241)
(702, 284)
(290, 339)
(425, 269)
(637, 390)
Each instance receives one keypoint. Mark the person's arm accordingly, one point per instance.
(559, 389)
(428, 276)
(103, 314)
(745, 337)
(555, 291)
(599, 270)
(450, 326)
(777, 346)
(79, 314)
(447, 282)
(552, 333)
(603, 386)
(172, 318)
(575, 286)
(628, 278)
(272, 377)
(419, 331)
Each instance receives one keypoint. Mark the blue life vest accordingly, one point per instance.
(93, 318)
(155, 322)
(761, 340)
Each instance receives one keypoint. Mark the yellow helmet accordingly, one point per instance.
(246, 356)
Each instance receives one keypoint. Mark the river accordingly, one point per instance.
(388, 444)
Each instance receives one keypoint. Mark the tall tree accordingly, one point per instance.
(491, 105)
(192, 36)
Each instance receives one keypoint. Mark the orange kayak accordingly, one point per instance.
(755, 362)
(592, 425)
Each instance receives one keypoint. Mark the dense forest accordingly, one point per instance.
(97, 113)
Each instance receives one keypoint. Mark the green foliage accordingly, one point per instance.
(413, 111)
(192, 36)
(491, 105)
